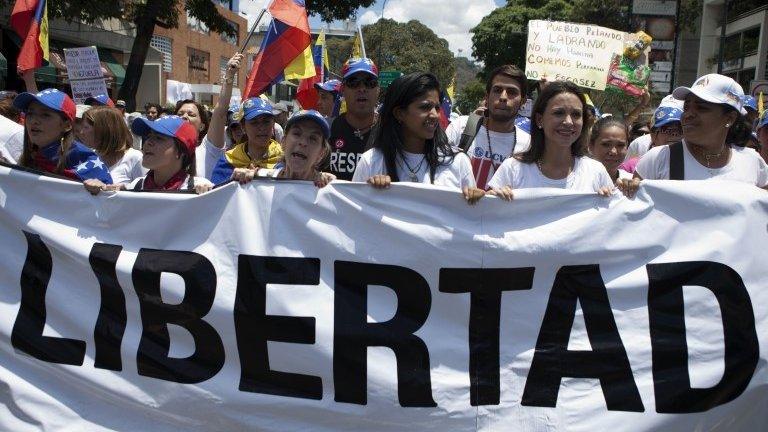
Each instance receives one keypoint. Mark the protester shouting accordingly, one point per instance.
(169, 155)
(608, 145)
(409, 144)
(714, 132)
(556, 156)
(260, 150)
(494, 136)
(49, 143)
(110, 137)
(351, 131)
(305, 146)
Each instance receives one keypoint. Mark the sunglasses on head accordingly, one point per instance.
(355, 83)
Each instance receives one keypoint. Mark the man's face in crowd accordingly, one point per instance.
(504, 99)
(361, 93)
(152, 113)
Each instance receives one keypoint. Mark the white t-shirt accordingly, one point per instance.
(457, 174)
(588, 175)
(268, 172)
(12, 137)
(745, 165)
(184, 186)
(128, 168)
(638, 147)
(455, 129)
(485, 164)
(625, 175)
(206, 156)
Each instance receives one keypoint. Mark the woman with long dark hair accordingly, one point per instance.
(556, 156)
(714, 134)
(409, 144)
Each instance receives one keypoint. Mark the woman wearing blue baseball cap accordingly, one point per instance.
(410, 145)
(169, 154)
(714, 134)
(305, 147)
(49, 142)
(259, 151)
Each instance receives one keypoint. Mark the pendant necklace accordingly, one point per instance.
(490, 149)
(413, 171)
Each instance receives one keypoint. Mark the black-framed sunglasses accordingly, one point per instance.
(355, 83)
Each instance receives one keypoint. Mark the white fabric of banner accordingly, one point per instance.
(649, 309)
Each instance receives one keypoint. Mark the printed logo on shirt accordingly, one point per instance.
(479, 152)
(339, 143)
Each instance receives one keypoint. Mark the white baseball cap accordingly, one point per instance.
(714, 88)
(669, 101)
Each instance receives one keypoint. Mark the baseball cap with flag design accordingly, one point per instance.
(332, 86)
(714, 88)
(313, 116)
(99, 100)
(51, 98)
(763, 121)
(665, 115)
(750, 102)
(256, 107)
(355, 65)
(172, 126)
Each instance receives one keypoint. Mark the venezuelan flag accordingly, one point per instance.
(307, 93)
(286, 42)
(29, 20)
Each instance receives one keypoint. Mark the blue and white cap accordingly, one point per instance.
(666, 115)
(714, 88)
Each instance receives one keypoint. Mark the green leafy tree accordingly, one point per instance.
(409, 47)
(469, 97)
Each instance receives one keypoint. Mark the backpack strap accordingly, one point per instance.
(676, 165)
(474, 122)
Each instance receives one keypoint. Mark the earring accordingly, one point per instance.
(727, 125)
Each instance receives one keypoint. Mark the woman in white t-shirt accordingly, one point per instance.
(169, 154)
(104, 130)
(556, 156)
(409, 143)
(714, 132)
(608, 145)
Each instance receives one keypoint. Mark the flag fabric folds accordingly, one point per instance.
(307, 93)
(287, 39)
(29, 20)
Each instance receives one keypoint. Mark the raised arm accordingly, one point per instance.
(219, 117)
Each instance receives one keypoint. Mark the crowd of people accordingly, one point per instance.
(710, 130)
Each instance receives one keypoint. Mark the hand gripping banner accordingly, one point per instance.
(277, 306)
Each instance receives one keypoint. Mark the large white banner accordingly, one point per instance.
(276, 306)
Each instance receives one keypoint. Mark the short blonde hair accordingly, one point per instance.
(110, 132)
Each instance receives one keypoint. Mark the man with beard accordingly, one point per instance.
(497, 137)
(351, 130)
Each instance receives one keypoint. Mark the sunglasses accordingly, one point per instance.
(670, 130)
(355, 83)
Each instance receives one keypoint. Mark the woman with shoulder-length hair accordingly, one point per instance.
(409, 144)
(714, 135)
(556, 157)
(49, 138)
(109, 136)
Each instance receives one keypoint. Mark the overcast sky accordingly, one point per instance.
(449, 19)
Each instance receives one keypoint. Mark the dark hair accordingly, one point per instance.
(157, 106)
(741, 130)
(634, 131)
(536, 151)
(510, 71)
(9, 111)
(604, 123)
(187, 160)
(389, 134)
(203, 116)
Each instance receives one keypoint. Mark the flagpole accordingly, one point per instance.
(267, 3)
(362, 42)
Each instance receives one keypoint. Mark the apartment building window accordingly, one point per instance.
(234, 40)
(741, 44)
(197, 25)
(198, 65)
(165, 46)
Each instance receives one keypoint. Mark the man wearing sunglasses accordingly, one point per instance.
(351, 130)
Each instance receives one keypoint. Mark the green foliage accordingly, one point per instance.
(469, 97)
(339, 50)
(409, 47)
(466, 72)
(330, 10)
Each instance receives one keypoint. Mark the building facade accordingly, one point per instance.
(738, 49)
